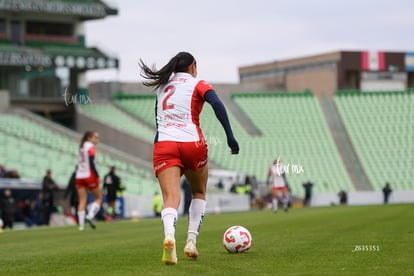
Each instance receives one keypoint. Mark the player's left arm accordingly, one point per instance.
(211, 97)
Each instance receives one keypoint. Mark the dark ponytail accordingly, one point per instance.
(179, 63)
(85, 137)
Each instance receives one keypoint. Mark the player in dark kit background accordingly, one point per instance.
(112, 184)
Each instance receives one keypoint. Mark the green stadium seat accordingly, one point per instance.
(379, 125)
(117, 119)
(293, 127)
(31, 149)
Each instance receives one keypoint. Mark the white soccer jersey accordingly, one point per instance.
(84, 168)
(179, 104)
(276, 174)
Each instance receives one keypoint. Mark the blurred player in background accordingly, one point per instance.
(112, 183)
(49, 187)
(179, 145)
(387, 192)
(277, 179)
(72, 192)
(7, 209)
(87, 178)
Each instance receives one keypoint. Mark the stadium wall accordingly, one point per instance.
(325, 73)
(142, 206)
(4, 100)
(362, 198)
(322, 81)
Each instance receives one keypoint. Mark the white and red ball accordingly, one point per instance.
(237, 239)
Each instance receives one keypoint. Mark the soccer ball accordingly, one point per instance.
(237, 239)
(1, 224)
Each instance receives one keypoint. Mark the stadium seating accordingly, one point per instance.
(31, 149)
(141, 106)
(293, 128)
(109, 114)
(380, 127)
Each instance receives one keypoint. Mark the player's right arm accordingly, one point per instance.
(269, 176)
(91, 155)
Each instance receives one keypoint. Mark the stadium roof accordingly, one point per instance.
(80, 58)
(85, 9)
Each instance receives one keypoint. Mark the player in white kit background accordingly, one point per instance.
(179, 145)
(87, 178)
(277, 179)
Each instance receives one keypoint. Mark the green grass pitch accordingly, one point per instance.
(344, 240)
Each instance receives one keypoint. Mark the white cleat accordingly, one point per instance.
(169, 255)
(190, 250)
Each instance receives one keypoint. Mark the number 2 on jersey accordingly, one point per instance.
(170, 91)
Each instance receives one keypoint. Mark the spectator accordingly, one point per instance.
(12, 174)
(255, 184)
(308, 193)
(24, 212)
(2, 171)
(39, 210)
(187, 196)
(73, 193)
(343, 197)
(112, 183)
(240, 189)
(288, 194)
(220, 185)
(157, 204)
(8, 209)
(233, 188)
(387, 192)
(48, 188)
(248, 189)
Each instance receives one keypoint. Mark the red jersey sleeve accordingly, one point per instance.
(202, 87)
(91, 152)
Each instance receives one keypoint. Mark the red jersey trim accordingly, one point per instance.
(197, 103)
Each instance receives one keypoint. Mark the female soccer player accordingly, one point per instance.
(277, 178)
(87, 178)
(179, 145)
